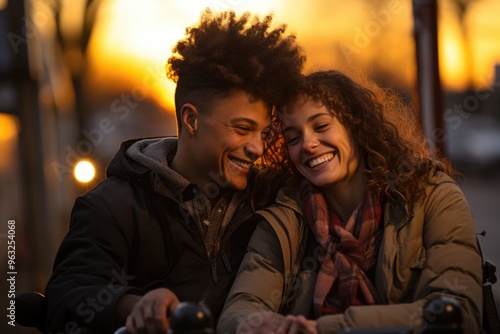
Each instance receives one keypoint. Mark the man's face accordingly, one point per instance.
(228, 140)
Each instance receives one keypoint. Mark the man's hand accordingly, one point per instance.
(278, 324)
(150, 313)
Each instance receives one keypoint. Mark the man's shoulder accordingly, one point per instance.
(112, 190)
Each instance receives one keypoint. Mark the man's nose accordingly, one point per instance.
(255, 147)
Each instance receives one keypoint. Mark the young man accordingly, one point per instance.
(170, 221)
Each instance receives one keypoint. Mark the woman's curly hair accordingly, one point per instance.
(397, 157)
(224, 53)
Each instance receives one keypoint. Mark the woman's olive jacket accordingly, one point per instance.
(427, 252)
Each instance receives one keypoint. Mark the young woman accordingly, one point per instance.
(372, 228)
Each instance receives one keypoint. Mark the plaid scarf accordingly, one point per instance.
(347, 252)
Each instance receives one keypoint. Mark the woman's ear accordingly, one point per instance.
(189, 118)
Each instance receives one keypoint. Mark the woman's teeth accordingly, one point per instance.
(322, 159)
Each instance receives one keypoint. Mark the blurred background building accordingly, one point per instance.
(78, 77)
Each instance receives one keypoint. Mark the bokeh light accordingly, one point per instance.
(84, 171)
(9, 129)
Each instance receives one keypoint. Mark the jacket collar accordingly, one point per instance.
(289, 197)
(397, 211)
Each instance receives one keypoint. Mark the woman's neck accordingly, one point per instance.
(344, 198)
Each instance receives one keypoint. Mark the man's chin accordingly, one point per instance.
(238, 185)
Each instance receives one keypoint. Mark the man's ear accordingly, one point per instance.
(189, 118)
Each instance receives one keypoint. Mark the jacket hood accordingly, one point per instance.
(146, 162)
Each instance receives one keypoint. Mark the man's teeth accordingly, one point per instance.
(320, 160)
(241, 163)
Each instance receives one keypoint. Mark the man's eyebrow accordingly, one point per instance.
(242, 119)
(249, 121)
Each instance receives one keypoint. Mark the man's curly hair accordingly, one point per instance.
(397, 157)
(225, 53)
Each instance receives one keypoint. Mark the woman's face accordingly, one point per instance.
(320, 146)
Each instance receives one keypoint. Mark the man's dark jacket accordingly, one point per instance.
(132, 233)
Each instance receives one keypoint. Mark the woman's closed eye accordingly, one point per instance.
(292, 139)
(322, 127)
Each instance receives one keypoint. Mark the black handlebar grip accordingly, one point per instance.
(442, 315)
(190, 318)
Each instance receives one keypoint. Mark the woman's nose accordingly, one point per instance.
(310, 142)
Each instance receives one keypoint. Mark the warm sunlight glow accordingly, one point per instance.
(484, 36)
(132, 41)
(256, 6)
(453, 65)
(129, 47)
(354, 35)
(453, 62)
(327, 37)
(84, 171)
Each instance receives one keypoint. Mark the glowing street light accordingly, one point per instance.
(84, 171)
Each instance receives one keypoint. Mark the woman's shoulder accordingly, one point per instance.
(440, 177)
(285, 212)
(440, 184)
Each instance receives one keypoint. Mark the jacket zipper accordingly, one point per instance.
(227, 264)
(233, 225)
(213, 280)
